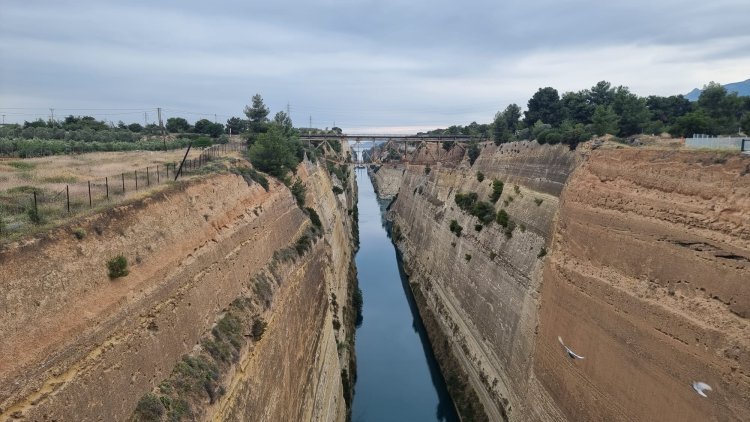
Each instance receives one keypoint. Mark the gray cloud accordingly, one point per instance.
(363, 64)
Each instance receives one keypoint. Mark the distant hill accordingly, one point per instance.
(741, 88)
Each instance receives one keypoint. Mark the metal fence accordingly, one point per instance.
(21, 207)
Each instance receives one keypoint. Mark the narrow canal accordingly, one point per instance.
(398, 377)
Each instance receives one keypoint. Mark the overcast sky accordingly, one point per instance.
(369, 66)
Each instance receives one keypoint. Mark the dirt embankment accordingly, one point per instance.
(79, 346)
(648, 279)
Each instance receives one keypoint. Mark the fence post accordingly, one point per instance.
(67, 196)
(148, 179)
(123, 183)
(36, 210)
(90, 203)
(166, 168)
(158, 178)
(136, 179)
(106, 183)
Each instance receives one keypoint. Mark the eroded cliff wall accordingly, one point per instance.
(79, 346)
(649, 279)
(645, 275)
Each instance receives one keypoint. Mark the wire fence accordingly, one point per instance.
(26, 206)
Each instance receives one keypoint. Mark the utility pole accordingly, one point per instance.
(214, 118)
(145, 119)
(52, 115)
(3, 120)
(161, 126)
(311, 121)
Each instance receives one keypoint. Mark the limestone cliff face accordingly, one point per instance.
(482, 285)
(648, 278)
(645, 274)
(79, 346)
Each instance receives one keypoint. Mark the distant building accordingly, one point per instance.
(710, 142)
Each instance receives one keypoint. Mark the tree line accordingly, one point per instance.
(575, 117)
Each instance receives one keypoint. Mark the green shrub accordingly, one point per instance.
(473, 152)
(480, 176)
(542, 252)
(35, 216)
(478, 227)
(427, 170)
(149, 408)
(252, 175)
(497, 190)
(493, 255)
(118, 267)
(456, 228)
(522, 227)
(502, 218)
(337, 190)
(314, 218)
(298, 190)
(303, 244)
(509, 229)
(466, 200)
(202, 142)
(259, 327)
(517, 189)
(538, 201)
(484, 211)
(79, 233)
(467, 257)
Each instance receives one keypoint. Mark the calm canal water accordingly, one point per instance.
(397, 376)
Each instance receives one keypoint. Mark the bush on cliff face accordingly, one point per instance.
(466, 200)
(484, 211)
(480, 176)
(298, 190)
(456, 228)
(473, 152)
(149, 408)
(502, 218)
(118, 267)
(497, 190)
(259, 327)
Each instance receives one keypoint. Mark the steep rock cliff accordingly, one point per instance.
(648, 279)
(645, 275)
(79, 346)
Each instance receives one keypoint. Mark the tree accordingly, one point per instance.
(602, 94)
(695, 122)
(631, 110)
(724, 109)
(545, 106)
(257, 114)
(604, 120)
(274, 152)
(236, 125)
(500, 131)
(577, 106)
(177, 124)
(745, 123)
(135, 127)
(208, 127)
(512, 116)
(284, 122)
(668, 109)
(473, 152)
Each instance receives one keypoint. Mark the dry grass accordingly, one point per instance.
(56, 171)
(49, 176)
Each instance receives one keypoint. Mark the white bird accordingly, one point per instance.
(572, 354)
(701, 388)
